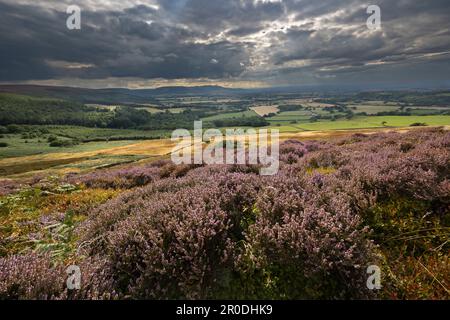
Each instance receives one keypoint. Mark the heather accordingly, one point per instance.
(160, 231)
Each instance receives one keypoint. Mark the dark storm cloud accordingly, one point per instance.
(286, 41)
(244, 31)
(114, 44)
(338, 47)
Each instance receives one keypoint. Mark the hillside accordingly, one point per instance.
(160, 231)
(112, 96)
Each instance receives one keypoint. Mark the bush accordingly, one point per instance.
(200, 235)
(121, 178)
(13, 128)
(63, 143)
(3, 144)
(30, 277)
(37, 277)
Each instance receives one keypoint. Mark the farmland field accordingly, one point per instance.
(24, 144)
(374, 109)
(265, 110)
(376, 122)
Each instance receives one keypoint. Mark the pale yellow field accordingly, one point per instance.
(150, 109)
(37, 163)
(101, 106)
(265, 110)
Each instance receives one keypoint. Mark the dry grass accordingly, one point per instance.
(34, 163)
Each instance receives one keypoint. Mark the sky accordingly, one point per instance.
(232, 43)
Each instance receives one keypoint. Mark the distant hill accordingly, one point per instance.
(145, 96)
(118, 95)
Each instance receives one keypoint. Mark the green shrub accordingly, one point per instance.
(63, 143)
(14, 128)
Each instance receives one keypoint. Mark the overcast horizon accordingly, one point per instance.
(235, 43)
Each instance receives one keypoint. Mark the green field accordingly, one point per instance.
(375, 122)
(373, 109)
(88, 139)
(94, 133)
(300, 115)
(18, 147)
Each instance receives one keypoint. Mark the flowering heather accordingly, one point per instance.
(117, 178)
(37, 277)
(130, 176)
(7, 187)
(29, 277)
(310, 231)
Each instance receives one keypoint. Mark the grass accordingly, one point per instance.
(83, 133)
(300, 115)
(375, 122)
(17, 147)
(71, 160)
(151, 109)
(265, 110)
(373, 109)
(63, 206)
(418, 112)
(90, 139)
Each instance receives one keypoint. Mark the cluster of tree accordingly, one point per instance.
(24, 130)
(403, 98)
(426, 98)
(240, 122)
(16, 109)
(347, 115)
(290, 107)
(22, 110)
(171, 121)
(337, 108)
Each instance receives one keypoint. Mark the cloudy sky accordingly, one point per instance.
(235, 43)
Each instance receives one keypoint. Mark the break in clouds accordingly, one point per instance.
(245, 43)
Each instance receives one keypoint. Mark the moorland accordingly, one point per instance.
(86, 179)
